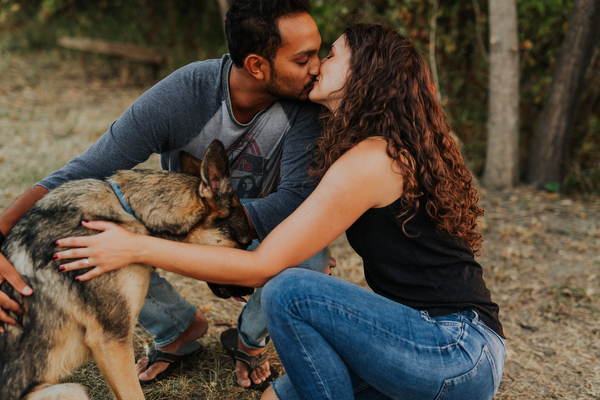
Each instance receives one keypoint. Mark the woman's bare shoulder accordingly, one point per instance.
(369, 163)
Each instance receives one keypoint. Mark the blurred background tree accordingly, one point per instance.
(501, 163)
(454, 36)
(553, 132)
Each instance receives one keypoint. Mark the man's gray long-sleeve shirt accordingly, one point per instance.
(185, 112)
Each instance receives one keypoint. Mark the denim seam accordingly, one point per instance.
(492, 363)
(484, 355)
(487, 328)
(361, 387)
(314, 371)
(459, 324)
(274, 387)
(456, 341)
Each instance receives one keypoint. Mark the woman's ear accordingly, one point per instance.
(256, 65)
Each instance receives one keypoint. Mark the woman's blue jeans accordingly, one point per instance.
(337, 340)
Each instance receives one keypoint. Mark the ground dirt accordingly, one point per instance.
(541, 254)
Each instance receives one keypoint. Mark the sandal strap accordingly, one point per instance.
(163, 356)
(252, 361)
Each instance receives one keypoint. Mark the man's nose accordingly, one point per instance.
(315, 67)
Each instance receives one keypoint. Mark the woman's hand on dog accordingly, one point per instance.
(109, 250)
(9, 274)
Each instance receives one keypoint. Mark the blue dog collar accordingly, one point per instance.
(120, 197)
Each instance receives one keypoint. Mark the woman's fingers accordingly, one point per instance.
(83, 241)
(80, 263)
(103, 251)
(77, 246)
(74, 241)
(99, 225)
(72, 253)
(93, 273)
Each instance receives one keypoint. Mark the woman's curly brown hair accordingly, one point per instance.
(390, 93)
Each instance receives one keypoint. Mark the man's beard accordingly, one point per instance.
(276, 89)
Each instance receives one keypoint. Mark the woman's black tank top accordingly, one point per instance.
(421, 268)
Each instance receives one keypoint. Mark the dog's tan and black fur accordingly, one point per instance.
(67, 322)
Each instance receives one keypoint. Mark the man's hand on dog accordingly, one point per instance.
(8, 273)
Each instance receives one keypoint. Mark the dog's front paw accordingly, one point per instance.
(227, 291)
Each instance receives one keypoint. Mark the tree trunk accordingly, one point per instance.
(503, 120)
(224, 7)
(127, 51)
(553, 132)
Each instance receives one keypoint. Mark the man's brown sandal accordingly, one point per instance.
(174, 359)
(229, 340)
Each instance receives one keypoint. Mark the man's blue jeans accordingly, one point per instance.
(166, 314)
(340, 341)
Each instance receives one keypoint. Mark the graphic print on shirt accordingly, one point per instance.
(247, 166)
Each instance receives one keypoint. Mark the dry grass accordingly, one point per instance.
(541, 255)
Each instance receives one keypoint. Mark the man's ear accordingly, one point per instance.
(257, 66)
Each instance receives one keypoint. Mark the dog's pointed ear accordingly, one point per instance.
(215, 171)
(189, 164)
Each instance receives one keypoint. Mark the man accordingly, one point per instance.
(254, 100)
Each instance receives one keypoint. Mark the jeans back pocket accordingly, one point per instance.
(479, 383)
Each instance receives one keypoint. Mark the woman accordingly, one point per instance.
(394, 180)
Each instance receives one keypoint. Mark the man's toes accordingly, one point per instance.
(242, 378)
(141, 365)
(152, 371)
(241, 373)
(144, 376)
(257, 378)
(261, 373)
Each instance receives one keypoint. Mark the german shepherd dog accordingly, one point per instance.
(66, 323)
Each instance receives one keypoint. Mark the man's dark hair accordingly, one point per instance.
(251, 26)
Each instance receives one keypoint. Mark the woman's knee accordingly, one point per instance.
(286, 286)
(280, 283)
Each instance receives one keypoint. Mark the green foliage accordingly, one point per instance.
(552, 186)
(188, 30)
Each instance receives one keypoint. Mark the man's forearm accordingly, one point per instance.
(18, 208)
(253, 233)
